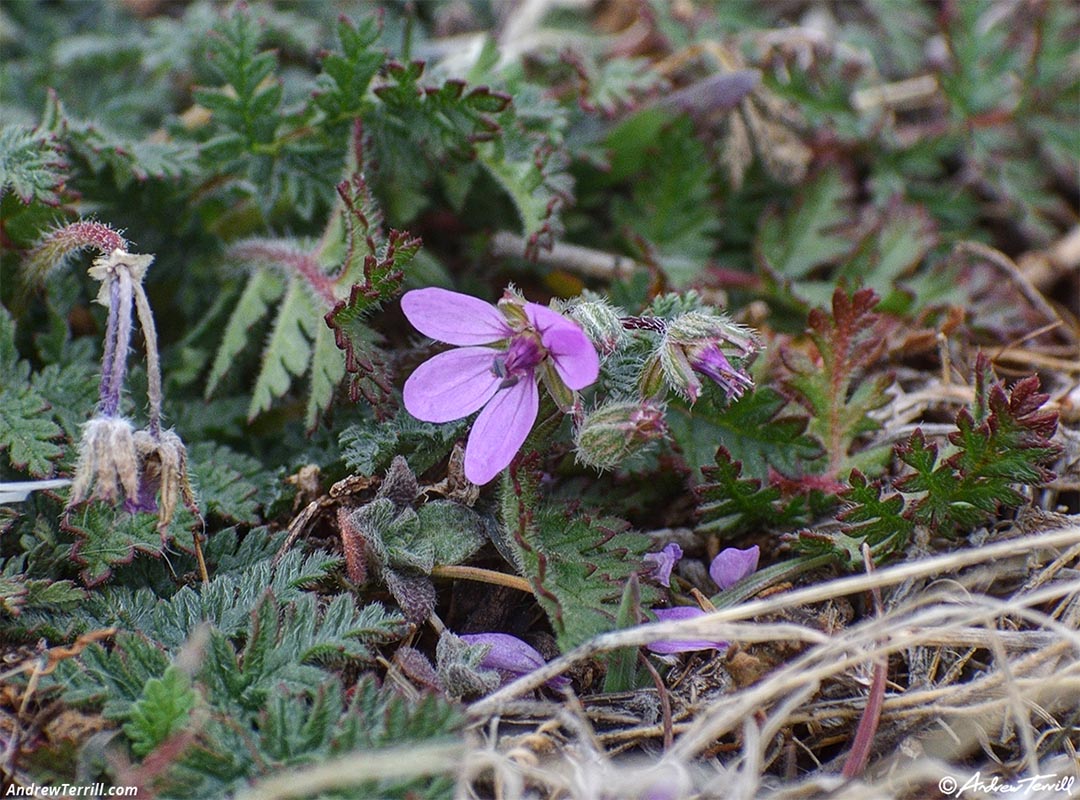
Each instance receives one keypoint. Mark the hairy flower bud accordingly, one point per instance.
(702, 343)
(614, 432)
(600, 321)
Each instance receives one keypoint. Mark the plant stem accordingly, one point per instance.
(483, 575)
(153, 364)
(111, 404)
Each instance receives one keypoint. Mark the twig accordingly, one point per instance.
(584, 260)
(864, 735)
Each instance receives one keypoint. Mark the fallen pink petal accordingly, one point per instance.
(672, 646)
(731, 565)
(663, 562)
(511, 657)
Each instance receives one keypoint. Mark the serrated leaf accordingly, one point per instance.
(25, 433)
(346, 76)
(263, 288)
(791, 246)
(671, 204)
(163, 709)
(834, 386)
(578, 567)
(327, 372)
(368, 447)
(31, 165)
(107, 536)
(287, 353)
(729, 502)
(371, 273)
(224, 481)
(754, 430)
(114, 677)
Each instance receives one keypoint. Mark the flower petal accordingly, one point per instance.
(668, 646)
(500, 430)
(451, 385)
(731, 565)
(571, 351)
(509, 654)
(453, 317)
(663, 562)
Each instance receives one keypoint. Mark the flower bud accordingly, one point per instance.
(614, 432)
(600, 321)
(695, 343)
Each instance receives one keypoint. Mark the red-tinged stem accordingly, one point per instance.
(303, 263)
(871, 716)
(868, 724)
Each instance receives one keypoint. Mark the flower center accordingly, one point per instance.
(521, 358)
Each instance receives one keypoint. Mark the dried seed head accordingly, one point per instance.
(163, 472)
(108, 461)
(108, 268)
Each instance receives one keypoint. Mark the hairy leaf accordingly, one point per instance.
(31, 165)
(163, 709)
(834, 385)
(578, 567)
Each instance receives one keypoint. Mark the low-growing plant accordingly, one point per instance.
(465, 359)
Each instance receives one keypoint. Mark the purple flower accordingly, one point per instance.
(495, 368)
(712, 363)
(732, 565)
(511, 657)
(668, 646)
(663, 562)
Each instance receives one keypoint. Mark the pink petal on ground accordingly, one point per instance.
(500, 430)
(571, 351)
(453, 317)
(731, 565)
(511, 656)
(669, 646)
(451, 385)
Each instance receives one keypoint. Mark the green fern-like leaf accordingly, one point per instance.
(163, 709)
(288, 350)
(264, 288)
(755, 430)
(26, 432)
(670, 205)
(791, 246)
(226, 481)
(130, 160)
(31, 165)
(346, 75)
(729, 502)
(1003, 441)
(107, 536)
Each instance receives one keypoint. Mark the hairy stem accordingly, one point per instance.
(153, 364)
(109, 355)
(111, 402)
